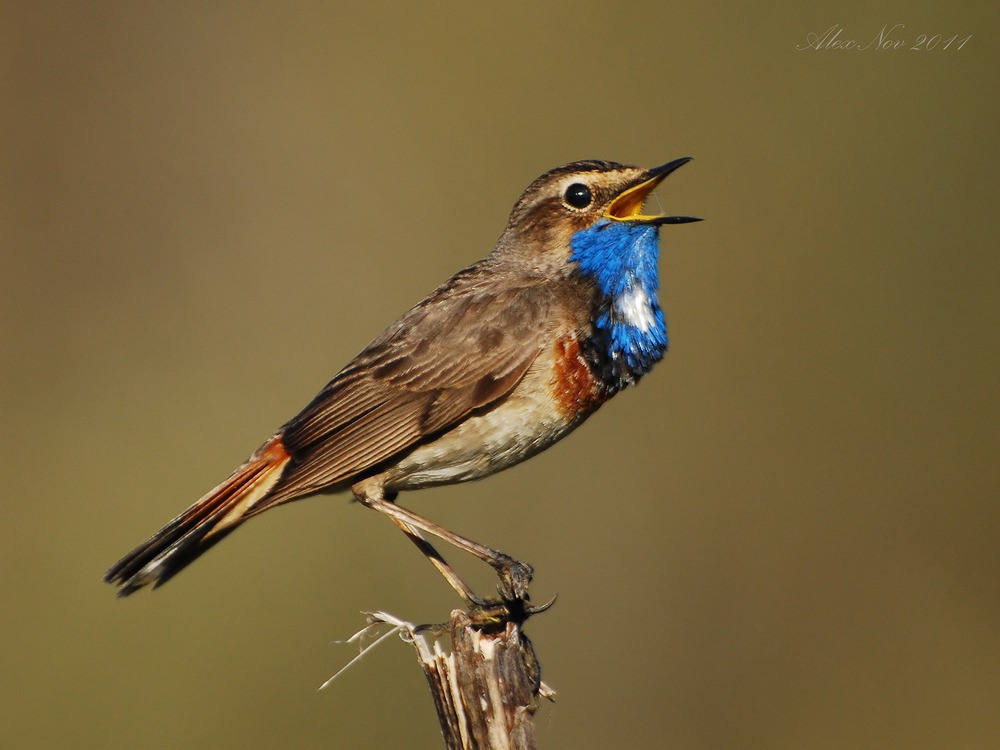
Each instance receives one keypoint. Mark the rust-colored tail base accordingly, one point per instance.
(199, 527)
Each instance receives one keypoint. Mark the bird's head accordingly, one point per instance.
(580, 196)
(586, 219)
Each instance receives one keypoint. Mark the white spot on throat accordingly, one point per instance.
(635, 307)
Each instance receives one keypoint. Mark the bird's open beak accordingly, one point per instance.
(628, 205)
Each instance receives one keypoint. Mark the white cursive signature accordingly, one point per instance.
(889, 38)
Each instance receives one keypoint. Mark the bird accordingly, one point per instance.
(495, 365)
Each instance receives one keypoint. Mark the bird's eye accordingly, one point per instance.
(578, 195)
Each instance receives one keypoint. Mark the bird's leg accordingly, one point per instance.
(463, 589)
(514, 575)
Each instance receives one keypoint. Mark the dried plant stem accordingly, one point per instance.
(486, 687)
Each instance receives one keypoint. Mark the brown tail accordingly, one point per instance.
(206, 522)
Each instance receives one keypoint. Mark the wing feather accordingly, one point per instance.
(464, 347)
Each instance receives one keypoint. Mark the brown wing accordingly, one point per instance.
(465, 346)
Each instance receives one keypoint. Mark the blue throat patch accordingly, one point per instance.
(630, 332)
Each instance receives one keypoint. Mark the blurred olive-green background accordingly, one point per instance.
(787, 537)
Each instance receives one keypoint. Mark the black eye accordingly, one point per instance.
(578, 195)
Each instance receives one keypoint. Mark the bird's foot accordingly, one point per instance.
(514, 603)
(515, 577)
(489, 614)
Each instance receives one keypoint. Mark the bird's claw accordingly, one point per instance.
(499, 613)
(515, 577)
(514, 602)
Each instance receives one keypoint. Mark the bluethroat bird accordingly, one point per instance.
(497, 364)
